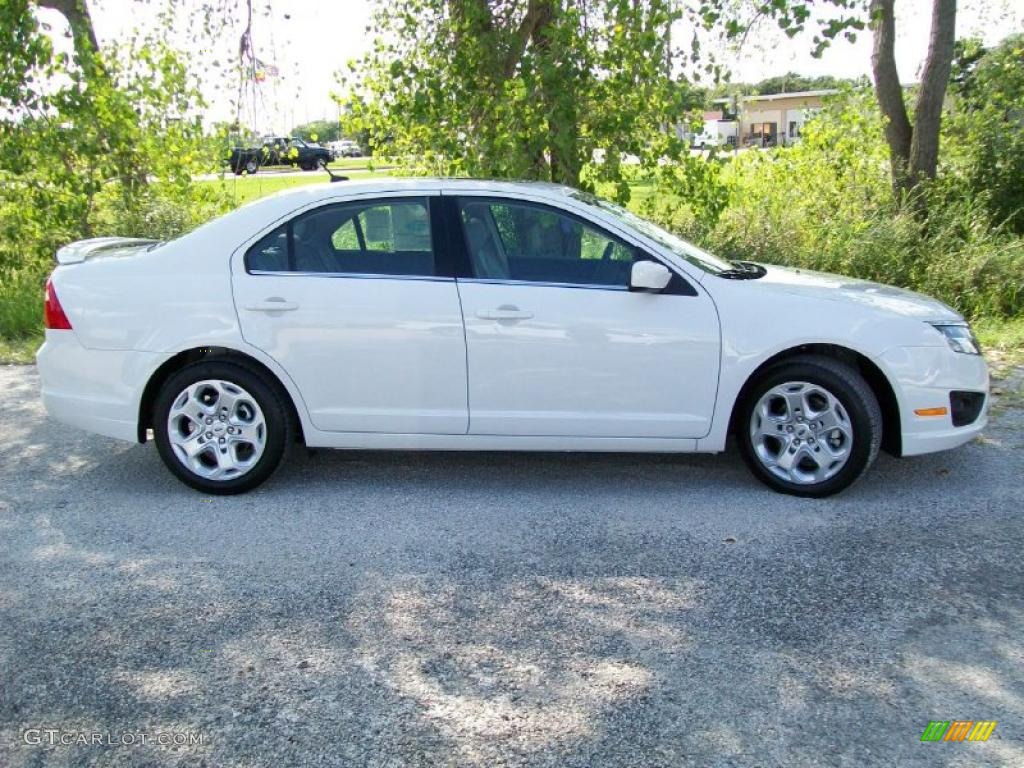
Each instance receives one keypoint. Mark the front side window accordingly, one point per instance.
(519, 241)
(379, 237)
(683, 248)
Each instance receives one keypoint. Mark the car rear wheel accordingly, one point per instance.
(252, 165)
(220, 427)
(809, 426)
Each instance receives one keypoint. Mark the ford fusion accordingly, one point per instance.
(473, 315)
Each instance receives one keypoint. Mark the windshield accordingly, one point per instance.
(696, 256)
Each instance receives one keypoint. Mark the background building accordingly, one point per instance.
(777, 119)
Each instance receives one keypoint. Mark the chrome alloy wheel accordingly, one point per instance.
(216, 429)
(801, 433)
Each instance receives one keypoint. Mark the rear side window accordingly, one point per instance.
(378, 237)
(270, 254)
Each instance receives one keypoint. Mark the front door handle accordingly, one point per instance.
(273, 304)
(504, 312)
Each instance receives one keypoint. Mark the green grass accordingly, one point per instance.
(21, 317)
(20, 350)
(246, 188)
(1002, 340)
(21, 304)
(343, 163)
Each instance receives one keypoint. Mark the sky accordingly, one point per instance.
(310, 40)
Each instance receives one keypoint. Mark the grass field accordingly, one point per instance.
(246, 188)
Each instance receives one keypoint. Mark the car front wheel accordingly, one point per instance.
(220, 427)
(809, 426)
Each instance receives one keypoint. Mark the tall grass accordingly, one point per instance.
(21, 304)
(826, 204)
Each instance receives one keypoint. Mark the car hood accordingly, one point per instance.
(821, 285)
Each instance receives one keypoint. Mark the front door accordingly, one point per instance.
(350, 300)
(558, 345)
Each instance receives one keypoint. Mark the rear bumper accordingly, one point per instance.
(923, 378)
(95, 390)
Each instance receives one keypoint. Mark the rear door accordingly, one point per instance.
(357, 304)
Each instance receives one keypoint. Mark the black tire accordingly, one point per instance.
(280, 427)
(251, 166)
(852, 392)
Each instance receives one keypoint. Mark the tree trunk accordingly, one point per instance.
(560, 107)
(889, 92)
(924, 148)
(913, 150)
(82, 30)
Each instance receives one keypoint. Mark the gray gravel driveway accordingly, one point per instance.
(393, 609)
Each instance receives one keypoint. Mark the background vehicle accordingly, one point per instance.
(468, 315)
(278, 150)
(346, 148)
(706, 140)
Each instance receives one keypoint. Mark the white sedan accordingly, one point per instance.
(468, 315)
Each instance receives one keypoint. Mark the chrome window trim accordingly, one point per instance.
(353, 275)
(543, 284)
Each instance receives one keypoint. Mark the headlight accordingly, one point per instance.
(960, 338)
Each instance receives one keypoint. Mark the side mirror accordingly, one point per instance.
(649, 276)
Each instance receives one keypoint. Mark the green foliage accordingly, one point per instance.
(104, 141)
(319, 131)
(829, 19)
(826, 204)
(159, 211)
(984, 137)
(527, 90)
(21, 305)
(791, 81)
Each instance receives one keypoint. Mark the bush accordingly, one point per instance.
(826, 204)
(21, 304)
(159, 211)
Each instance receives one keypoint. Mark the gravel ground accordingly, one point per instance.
(396, 609)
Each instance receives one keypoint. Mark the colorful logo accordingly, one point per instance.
(958, 730)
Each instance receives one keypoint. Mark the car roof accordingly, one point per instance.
(310, 194)
(328, 190)
(256, 215)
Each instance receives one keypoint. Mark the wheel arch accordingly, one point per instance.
(873, 375)
(188, 356)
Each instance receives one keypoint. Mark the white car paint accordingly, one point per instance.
(427, 364)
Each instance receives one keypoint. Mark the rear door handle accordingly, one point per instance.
(504, 312)
(273, 304)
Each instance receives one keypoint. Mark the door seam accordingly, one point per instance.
(465, 347)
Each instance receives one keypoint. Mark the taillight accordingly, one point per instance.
(53, 313)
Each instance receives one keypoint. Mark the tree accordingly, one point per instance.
(913, 146)
(106, 137)
(913, 149)
(985, 130)
(319, 131)
(791, 81)
(521, 88)
(80, 21)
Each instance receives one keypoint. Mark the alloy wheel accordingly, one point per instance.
(801, 432)
(216, 429)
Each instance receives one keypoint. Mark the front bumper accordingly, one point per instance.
(924, 378)
(95, 390)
